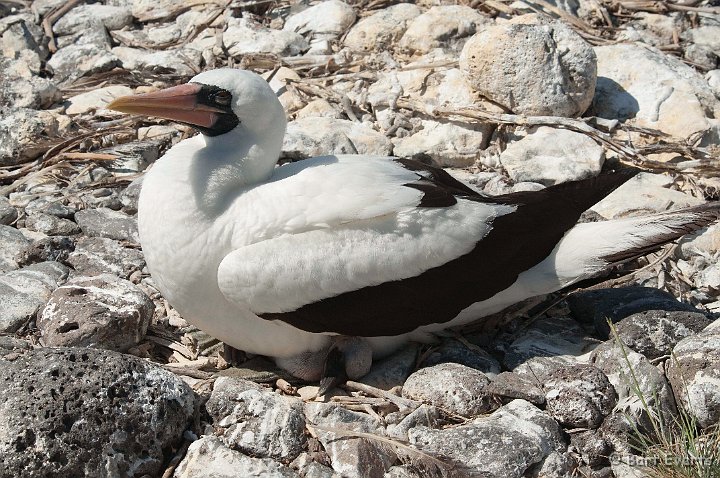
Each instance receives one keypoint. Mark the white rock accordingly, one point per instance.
(112, 18)
(713, 79)
(643, 194)
(708, 36)
(533, 69)
(308, 137)
(74, 61)
(651, 28)
(326, 20)
(441, 27)
(289, 98)
(448, 144)
(244, 36)
(318, 108)
(651, 89)
(184, 61)
(95, 99)
(381, 29)
(208, 456)
(552, 155)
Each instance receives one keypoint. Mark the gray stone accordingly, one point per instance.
(96, 99)
(133, 157)
(104, 222)
(52, 207)
(452, 387)
(694, 373)
(579, 396)
(547, 337)
(505, 444)
(551, 155)
(654, 333)
(11, 242)
(256, 421)
(51, 225)
(350, 456)
(651, 89)
(102, 311)
(25, 291)
(393, 370)
(513, 385)
(21, 88)
(424, 415)
(74, 61)
(713, 79)
(209, 457)
(553, 68)
(9, 344)
(23, 39)
(51, 248)
(633, 376)
(702, 55)
(8, 214)
(309, 137)
(21, 130)
(599, 306)
(381, 29)
(593, 449)
(447, 143)
(130, 195)
(308, 468)
(243, 36)
(87, 412)
(99, 255)
(465, 354)
(442, 27)
(182, 61)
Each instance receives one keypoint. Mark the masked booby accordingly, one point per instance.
(281, 261)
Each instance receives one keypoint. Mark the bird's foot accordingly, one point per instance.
(345, 358)
(348, 358)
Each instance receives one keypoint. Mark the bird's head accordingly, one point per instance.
(215, 102)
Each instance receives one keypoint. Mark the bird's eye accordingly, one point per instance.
(223, 98)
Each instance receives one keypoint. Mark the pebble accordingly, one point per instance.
(20, 130)
(650, 89)
(600, 305)
(441, 27)
(20, 88)
(184, 61)
(309, 137)
(24, 292)
(73, 61)
(99, 255)
(382, 28)
(52, 248)
(51, 225)
(553, 68)
(450, 386)
(11, 241)
(89, 412)
(243, 36)
(209, 456)
(579, 396)
(505, 444)
(513, 385)
(102, 311)
(694, 373)
(551, 156)
(256, 421)
(104, 222)
(8, 214)
(350, 456)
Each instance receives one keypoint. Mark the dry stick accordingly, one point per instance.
(50, 20)
(404, 404)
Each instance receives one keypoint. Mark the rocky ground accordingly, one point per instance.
(101, 377)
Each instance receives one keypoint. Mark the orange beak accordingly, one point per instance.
(179, 103)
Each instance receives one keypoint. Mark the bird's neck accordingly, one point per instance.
(230, 163)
